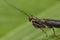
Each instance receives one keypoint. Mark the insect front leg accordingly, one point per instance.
(36, 25)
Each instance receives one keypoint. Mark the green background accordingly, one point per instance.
(14, 25)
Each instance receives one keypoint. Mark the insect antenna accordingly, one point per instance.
(17, 8)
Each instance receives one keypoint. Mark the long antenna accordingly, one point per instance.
(16, 8)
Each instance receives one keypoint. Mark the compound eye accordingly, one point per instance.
(30, 19)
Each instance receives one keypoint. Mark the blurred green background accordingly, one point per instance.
(15, 26)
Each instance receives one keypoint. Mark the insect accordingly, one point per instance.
(41, 23)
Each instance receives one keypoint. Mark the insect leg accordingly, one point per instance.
(55, 33)
(44, 32)
(39, 26)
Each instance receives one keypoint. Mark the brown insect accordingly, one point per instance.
(41, 23)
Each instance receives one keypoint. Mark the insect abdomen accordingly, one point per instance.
(55, 23)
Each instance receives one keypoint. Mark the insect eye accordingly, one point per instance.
(30, 18)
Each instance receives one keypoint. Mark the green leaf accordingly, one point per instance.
(15, 25)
